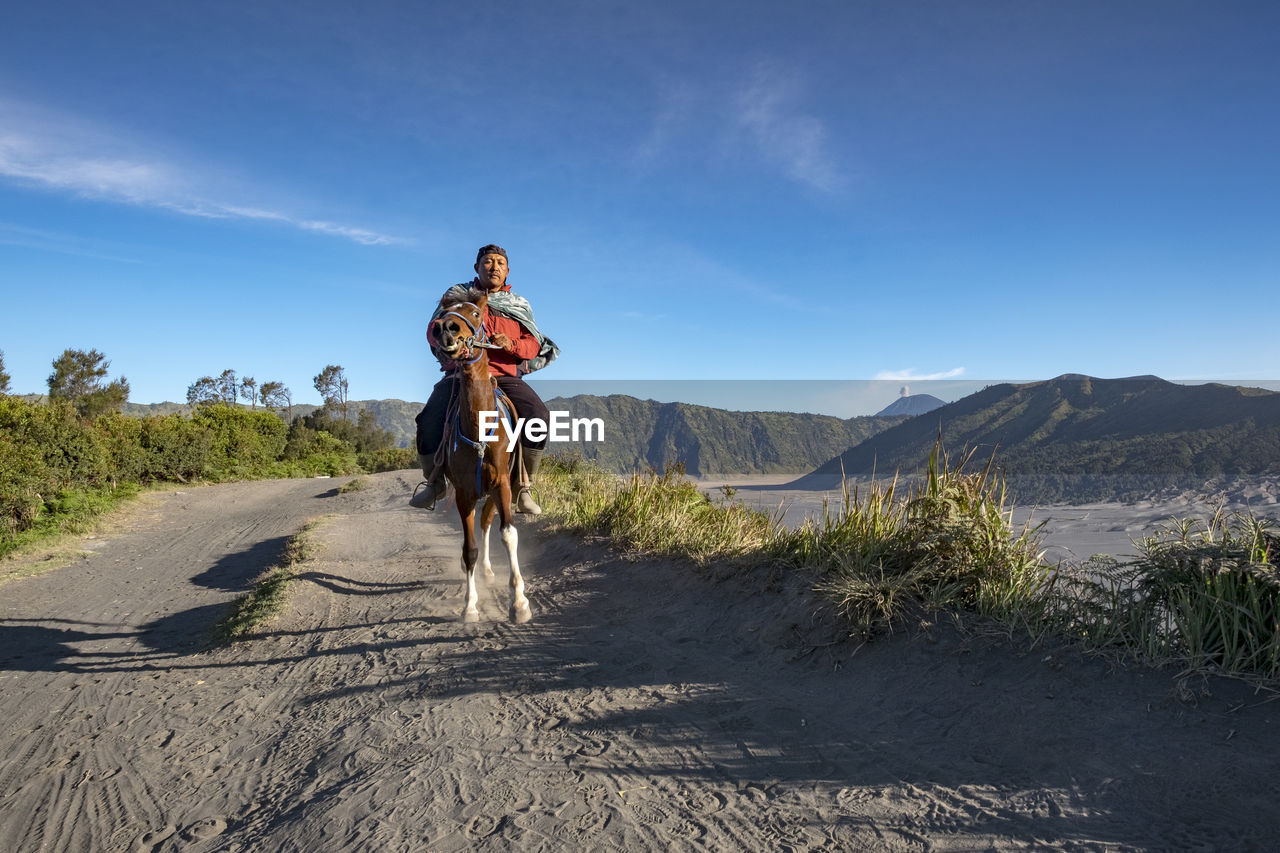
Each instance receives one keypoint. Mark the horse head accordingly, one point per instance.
(460, 326)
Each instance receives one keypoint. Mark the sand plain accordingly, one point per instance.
(645, 706)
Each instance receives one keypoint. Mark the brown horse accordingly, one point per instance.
(477, 464)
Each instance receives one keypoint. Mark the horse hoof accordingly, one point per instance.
(471, 616)
(521, 615)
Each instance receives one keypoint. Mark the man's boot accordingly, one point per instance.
(431, 489)
(524, 501)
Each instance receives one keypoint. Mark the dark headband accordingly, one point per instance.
(491, 249)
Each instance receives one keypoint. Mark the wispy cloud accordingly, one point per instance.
(768, 109)
(761, 111)
(12, 234)
(670, 122)
(912, 375)
(62, 155)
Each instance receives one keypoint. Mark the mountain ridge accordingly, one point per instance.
(1084, 438)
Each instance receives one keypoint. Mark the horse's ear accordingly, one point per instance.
(452, 297)
(478, 297)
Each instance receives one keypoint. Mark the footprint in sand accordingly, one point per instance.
(203, 830)
(593, 747)
(508, 798)
(593, 794)
(703, 802)
(584, 827)
(649, 813)
(482, 826)
(850, 798)
(781, 831)
(685, 829)
(148, 842)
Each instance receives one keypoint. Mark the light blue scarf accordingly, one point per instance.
(505, 303)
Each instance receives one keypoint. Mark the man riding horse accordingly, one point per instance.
(522, 349)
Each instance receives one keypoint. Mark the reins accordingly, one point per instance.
(502, 406)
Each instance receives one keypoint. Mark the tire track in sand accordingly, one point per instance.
(643, 707)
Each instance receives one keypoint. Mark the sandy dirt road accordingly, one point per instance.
(644, 707)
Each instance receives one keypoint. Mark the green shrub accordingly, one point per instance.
(24, 477)
(57, 470)
(389, 459)
(45, 450)
(242, 443)
(121, 438)
(177, 449)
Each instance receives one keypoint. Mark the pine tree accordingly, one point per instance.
(78, 376)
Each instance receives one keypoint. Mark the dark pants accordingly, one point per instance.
(431, 419)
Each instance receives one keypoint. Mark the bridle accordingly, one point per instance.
(479, 338)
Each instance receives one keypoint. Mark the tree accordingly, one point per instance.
(228, 388)
(4, 375)
(364, 435)
(332, 385)
(203, 391)
(77, 376)
(276, 395)
(247, 386)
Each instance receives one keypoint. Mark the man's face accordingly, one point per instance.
(491, 270)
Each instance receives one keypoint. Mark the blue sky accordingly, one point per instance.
(888, 190)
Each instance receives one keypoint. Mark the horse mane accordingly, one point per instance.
(473, 295)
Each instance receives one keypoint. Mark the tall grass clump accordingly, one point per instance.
(1200, 594)
(270, 590)
(878, 557)
(950, 543)
(657, 512)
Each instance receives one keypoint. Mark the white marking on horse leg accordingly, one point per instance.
(484, 551)
(469, 611)
(519, 604)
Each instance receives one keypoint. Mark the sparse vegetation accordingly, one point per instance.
(1201, 595)
(950, 544)
(356, 484)
(663, 513)
(270, 591)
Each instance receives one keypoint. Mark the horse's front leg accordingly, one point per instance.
(467, 510)
(520, 611)
(486, 524)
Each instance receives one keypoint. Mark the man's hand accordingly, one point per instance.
(503, 341)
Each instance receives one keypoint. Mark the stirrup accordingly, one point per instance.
(526, 504)
(426, 494)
